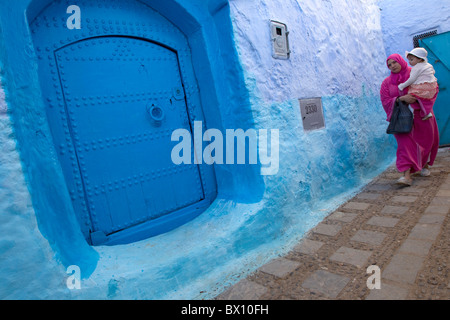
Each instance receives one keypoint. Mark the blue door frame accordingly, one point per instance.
(114, 91)
(438, 48)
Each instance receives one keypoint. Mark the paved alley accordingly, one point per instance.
(393, 239)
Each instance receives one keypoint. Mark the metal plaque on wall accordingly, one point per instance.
(312, 114)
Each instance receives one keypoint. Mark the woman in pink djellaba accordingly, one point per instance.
(417, 150)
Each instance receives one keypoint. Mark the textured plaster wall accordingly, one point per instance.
(402, 20)
(24, 263)
(337, 54)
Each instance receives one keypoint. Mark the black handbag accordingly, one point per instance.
(401, 119)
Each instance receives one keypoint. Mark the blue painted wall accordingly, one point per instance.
(254, 218)
(398, 33)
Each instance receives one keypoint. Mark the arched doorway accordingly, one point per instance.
(114, 91)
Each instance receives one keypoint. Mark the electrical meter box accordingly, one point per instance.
(280, 43)
(312, 114)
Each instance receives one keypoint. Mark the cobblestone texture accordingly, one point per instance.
(405, 231)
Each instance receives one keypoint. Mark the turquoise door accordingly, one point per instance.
(438, 48)
(114, 91)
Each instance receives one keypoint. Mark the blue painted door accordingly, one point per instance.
(114, 93)
(438, 48)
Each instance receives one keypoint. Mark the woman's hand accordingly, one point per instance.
(408, 99)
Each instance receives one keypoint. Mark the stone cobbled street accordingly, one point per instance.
(402, 233)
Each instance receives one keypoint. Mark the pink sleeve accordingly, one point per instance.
(386, 99)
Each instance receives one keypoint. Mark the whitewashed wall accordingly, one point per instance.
(336, 47)
(402, 19)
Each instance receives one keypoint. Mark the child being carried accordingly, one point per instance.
(422, 82)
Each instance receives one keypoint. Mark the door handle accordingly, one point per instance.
(156, 113)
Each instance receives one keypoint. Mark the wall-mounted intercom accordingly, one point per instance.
(280, 43)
